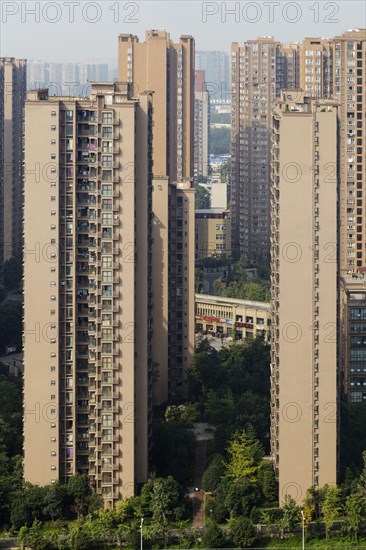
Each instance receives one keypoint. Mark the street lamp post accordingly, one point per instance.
(142, 542)
(303, 529)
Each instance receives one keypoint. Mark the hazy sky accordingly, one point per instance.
(75, 30)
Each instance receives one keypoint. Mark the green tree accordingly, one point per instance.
(219, 141)
(245, 453)
(242, 532)
(309, 509)
(199, 279)
(212, 475)
(182, 415)
(267, 483)
(55, 500)
(33, 537)
(80, 536)
(289, 519)
(361, 485)
(218, 287)
(219, 410)
(79, 492)
(162, 500)
(242, 497)
(353, 514)
(202, 198)
(27, 505)
(331, 508)
(173, 451)
(213, 536)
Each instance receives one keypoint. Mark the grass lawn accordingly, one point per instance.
(296, 542)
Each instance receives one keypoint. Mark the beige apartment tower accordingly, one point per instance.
(87, 288)
(304, 293)
(167, 69)
(213, 233)
(336, 67)
(13, 75)
(260, 69)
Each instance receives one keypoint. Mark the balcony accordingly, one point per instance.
(86, 130)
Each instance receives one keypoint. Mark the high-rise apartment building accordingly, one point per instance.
(167, 69)
(260, 69)
(304, 394)
(336, 68)
(216, 67)
(201, 125)
(87, 288)
(352, 337)
(12, 97)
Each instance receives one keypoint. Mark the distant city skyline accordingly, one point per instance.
(90, 27)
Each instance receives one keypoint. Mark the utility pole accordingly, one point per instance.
(303, 529)
(142, 542)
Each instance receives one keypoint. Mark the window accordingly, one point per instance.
(106, 362)
(107, 435)
(106, 420)
(107, 204)
(107, 118)
(106, 219)
(106, 190)
(107, 261)
(107, 334)
(107, 175)
(106, 449)
(107, 132)
(106, 276)
(107, 160)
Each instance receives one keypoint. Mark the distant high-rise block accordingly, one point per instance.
(304, 392)
(12, 97)
(70, 79)
(213, 233)
(167, 69)
(201, 125)
(87, 342)
(260, 69)
(216, 67)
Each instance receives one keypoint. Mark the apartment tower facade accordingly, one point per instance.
(87, 288)
(260, 69)
(167, 69)
(13, 74)
(336, 68)
(304, 395)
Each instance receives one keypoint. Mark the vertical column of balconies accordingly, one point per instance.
(179, 114)
(104, 433)
(275, 211)
(234, 142)
(67, 291)
(86, 172)
(316, 228)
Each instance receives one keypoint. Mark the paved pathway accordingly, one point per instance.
(199, 496)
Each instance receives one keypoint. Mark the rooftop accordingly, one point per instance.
(222, 300)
